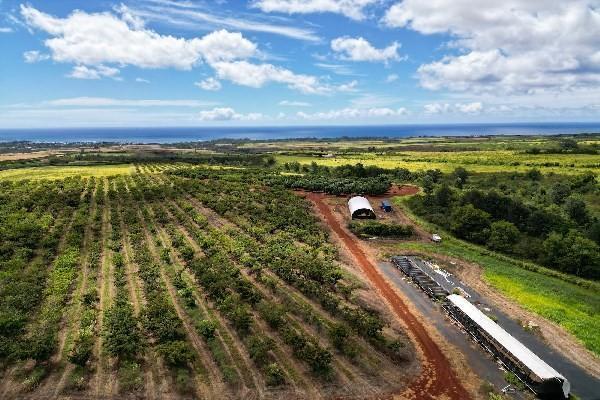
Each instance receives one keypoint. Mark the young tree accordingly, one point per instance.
(577, 211)
(503, 236)
(461, 175)
(470, 223)
(559, 192)
(443, 196)
(573, 253)
(428, 185)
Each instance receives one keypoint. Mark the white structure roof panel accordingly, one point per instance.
(518, 349)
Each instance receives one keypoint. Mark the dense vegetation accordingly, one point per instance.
(217, 278)
(380, 229)
(543, 219)
(194, 281)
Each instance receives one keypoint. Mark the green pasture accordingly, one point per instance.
(60, 172)
(474, 161)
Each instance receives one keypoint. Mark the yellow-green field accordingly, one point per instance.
(474, 161)
(60, 172)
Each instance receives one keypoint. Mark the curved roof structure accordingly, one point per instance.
(506, 340)
(360, 207)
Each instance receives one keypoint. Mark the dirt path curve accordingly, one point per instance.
(437, 380)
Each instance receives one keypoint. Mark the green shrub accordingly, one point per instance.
(207, 328)
(121, 334)
(374, 228)
(176, 353)
(274, 375)
(130, 376)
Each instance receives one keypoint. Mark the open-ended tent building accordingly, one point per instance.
(360, 208)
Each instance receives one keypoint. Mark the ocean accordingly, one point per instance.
(188, 134)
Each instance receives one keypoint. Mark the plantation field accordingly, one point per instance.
(60, 172)
(516, 143)
(576, 307)
(474, 161)
(160, 283)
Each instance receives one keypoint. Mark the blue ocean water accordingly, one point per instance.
(187, 134)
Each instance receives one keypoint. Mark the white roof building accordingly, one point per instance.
(360, 208)
(508, 342)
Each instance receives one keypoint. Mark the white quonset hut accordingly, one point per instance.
(360, 208)
(539, 376)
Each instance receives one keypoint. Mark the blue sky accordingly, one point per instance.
(288, 62)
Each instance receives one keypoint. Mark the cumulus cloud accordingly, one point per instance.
(101, 71)
(353, 9)
(446, 108)
(95, 41)
(227, 114)
(291, 103)
(210, 84)
(359, 49)
(34, 56)
(257, 75)
(348, 87)
(355, 113)
(92, 39)
(510, 46)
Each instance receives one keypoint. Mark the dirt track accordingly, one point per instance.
(437, 380)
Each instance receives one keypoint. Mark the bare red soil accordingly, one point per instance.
(402, 190)
(437, 379)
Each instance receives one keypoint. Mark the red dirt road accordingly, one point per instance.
(437, 379)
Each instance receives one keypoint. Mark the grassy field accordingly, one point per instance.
(574, 307)
(417, 143)
(64, 172)
(474, 161)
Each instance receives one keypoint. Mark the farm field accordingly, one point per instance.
(476, 161)
(193, 273)
(164, 286)
(60, 172)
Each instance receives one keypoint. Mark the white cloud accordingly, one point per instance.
(513, 46)
(355, 113)
(227, 114)
(257, 75)
(191, 16)
(353, 9)
(111, 102)
(446, 108)
(348, 87)
(338, 69)
(470, 108)
(392, 78)
(99, 72)
(142, 80)
(210, 84)
(5, 29)
(92, 39)
(359, 49)
(291, 103)
(34, 56)
(370, 100)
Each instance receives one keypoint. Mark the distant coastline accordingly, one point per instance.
(165, 135)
